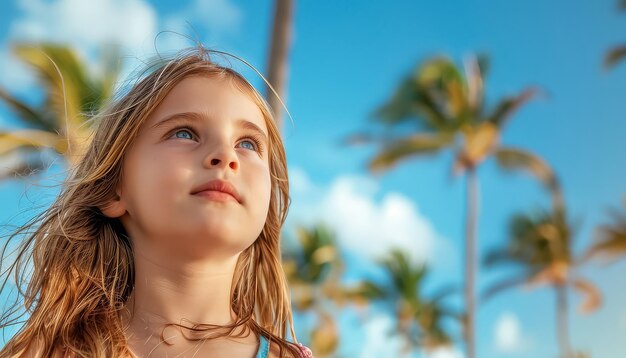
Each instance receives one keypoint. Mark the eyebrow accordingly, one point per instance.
(194, 116)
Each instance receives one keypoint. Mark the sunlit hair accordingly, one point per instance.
(74, 268)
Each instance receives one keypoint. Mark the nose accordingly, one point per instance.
(222, 157)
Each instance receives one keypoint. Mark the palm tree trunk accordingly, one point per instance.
(562, 321)
(470, 261)
(279, 51)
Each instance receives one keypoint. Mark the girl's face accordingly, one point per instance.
(204, 130)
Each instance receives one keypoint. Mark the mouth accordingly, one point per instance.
(218, 190)
(216, 195)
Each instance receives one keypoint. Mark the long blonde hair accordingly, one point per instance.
(77, 264)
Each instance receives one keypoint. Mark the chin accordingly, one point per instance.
(227, 238)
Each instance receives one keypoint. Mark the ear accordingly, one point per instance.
(114, 208)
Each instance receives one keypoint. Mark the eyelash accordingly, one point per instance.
(254, 138)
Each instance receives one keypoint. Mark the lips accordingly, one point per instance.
(220, 186)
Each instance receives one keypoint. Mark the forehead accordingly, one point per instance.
(210, 96)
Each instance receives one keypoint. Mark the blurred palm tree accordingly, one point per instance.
(447, 109)
(61, 122)
(277, 68)
(314, 272)
(540, 245)
(610, 241)
(420, 319)
(617, 53)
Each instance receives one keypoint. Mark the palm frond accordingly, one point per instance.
(445, 292)
(614, 56)
(325, 336)
(406, 277)
(610, 241)
(30, 138)
(410, 102)
(592, 298)
(318, 253)
(60, 71)
(556, 274)
(437, 96)
(506, 107)
(420, 318)
(433, 333)
(445, 83)
(73, 93)
(33, 118)
(502, 256)
(438, 72)
(515, 159)
(361, 293)
(412, 146)
(483, 64)
(535, 241)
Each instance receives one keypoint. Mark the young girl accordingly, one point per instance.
(165, 239)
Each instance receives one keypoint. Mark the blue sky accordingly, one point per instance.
(346, 59)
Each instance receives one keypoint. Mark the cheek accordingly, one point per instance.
(264, 196)
(267, 197)
(261, 191)
(265, 189)
(154, 179)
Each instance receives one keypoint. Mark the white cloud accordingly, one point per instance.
(364, 225)
(131, 24)
(381, 341)
(14, 74)
(370, 228)
(299, 182)
(84, 25)
(378, 342)
(507, 333)
(218, 17)
(87, 24)
(446, 353)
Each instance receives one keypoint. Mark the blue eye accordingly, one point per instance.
(183, 131)
(248, 144)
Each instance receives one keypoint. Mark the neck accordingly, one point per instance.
(168, 290)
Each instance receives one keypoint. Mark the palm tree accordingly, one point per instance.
(420, 319)
(540, 246)
(61, 121)
(282, 30)
(448, 111)
(617, 53)
(314, 272)
(610, 241)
